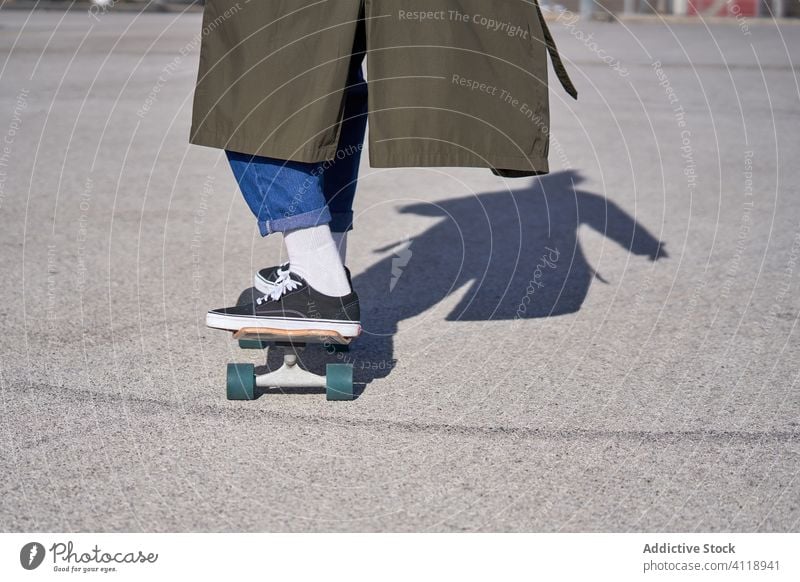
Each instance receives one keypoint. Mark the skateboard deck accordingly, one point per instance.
(299, 336)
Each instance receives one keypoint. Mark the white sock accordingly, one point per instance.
(340, 240)
(313, 256)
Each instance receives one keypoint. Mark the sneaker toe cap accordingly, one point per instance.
(238, 310)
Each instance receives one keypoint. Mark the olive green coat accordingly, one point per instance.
(451, 82)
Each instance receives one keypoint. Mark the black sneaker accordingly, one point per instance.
(266, 279)
(293, 304)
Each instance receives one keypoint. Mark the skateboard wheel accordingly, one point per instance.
(339, 382)
(241, 381)
(252, 344)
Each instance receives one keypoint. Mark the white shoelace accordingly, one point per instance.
(283, 284)
(282, 273)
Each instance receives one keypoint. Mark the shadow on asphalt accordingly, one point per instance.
(507, 254)
(358, 388)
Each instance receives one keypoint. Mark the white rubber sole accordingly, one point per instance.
(235, 323)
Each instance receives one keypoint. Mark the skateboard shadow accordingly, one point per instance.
(358, 387)
(506, 255)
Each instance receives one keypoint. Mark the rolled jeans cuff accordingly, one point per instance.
(341, 221)
(304, 220)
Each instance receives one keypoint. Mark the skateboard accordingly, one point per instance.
(242, 379)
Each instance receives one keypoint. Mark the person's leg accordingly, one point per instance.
(340, 176)
(287, 197)
(314, 257)
(283, 195)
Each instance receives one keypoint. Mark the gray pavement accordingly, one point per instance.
(650, 384)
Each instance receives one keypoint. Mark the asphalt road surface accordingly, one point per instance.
(613, 347)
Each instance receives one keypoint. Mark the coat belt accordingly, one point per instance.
(558, 65)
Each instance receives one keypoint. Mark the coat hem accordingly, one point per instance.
(508, 166)
(381, 156)
(309, 155)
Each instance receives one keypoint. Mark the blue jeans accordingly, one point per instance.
(286, 195)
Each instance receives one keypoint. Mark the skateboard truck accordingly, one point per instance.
(242, 379)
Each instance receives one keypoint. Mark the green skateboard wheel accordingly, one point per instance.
(252, 344)
(241, 381)
(339, 382)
